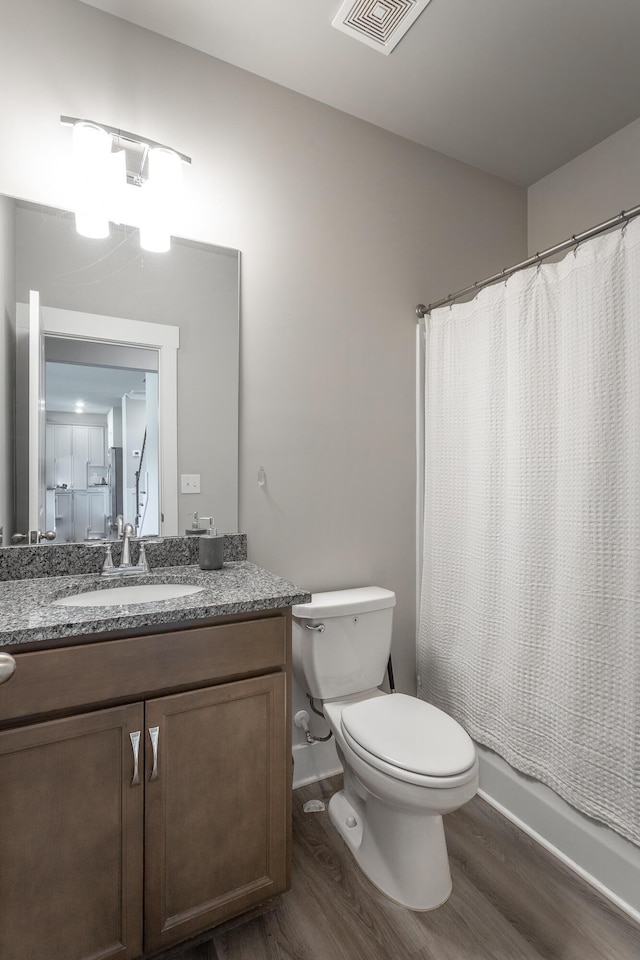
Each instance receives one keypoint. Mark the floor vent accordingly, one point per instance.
(380, 24)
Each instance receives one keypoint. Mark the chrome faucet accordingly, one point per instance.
(127, 533)
(126, 567)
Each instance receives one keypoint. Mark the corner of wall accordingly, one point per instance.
(587, 190)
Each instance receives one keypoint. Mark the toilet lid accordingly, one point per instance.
(410, 734)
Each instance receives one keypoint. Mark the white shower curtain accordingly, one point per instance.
(529, 629)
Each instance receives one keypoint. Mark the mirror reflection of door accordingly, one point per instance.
(36, 415)
(102, 445)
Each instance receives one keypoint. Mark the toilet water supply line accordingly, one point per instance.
(301, 719)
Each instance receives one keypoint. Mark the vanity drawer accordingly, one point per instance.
(87, 675)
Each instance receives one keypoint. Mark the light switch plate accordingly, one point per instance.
(189, 483)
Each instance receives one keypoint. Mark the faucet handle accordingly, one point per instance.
(142, 565)
(107, 566)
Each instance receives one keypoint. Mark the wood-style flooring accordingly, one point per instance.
(511, 900)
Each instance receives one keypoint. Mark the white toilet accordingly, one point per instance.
(405, 762)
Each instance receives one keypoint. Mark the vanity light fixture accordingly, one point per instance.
(124, 178)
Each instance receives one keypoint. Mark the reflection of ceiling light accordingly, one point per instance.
(119, 176)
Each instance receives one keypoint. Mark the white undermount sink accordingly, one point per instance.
(122, 596)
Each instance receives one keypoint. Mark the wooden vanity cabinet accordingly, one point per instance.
(103, 859)
(71, 831)
(215, 816)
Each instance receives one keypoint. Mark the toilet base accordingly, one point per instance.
(404, 854)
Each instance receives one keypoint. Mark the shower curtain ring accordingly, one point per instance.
(577, 243)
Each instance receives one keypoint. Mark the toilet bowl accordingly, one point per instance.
(405, 762)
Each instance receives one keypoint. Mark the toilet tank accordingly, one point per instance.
(341, 641)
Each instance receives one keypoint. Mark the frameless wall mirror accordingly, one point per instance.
(137, 379)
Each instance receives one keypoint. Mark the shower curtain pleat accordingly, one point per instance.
(529, 630)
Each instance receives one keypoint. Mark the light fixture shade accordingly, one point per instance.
(92, 151)
(161, 195)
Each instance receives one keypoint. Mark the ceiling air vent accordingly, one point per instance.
(380, 24)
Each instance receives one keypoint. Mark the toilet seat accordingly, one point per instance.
(409, 740)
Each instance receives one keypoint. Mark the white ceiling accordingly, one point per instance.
(99, 388)
(514, 87)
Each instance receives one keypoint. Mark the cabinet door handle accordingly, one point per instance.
(135, 746)
(7, 667)
(154, 733)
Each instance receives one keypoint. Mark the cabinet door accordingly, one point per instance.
(62, 454)
(80, 457)
(217, 807)
(80, 515)
(71, 839)
(97, 520)
(97, 453)
(50, 456)
(64, 517)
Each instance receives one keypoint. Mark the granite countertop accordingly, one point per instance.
(27, 615)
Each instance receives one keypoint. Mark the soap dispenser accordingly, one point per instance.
(196, 528)
(211, 548)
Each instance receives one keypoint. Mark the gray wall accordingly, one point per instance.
(343, 228)
(588, 190)
(7, 364)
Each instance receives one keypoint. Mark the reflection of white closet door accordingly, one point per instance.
(80, 457)
(50, 509)
(64, 517)
(97, 520)
(97, 454)
(50, 458)
(89, 514)
(62, 454)
(80, 515)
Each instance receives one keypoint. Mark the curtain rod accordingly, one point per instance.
(623, 217)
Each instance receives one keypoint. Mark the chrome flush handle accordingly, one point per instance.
(315, 626)
(154, 733)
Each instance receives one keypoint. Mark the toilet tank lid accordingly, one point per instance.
(340, 603)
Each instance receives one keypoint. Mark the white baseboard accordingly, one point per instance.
(313, 762)
(598, 854)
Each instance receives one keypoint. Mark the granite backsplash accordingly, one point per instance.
(72, 559)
